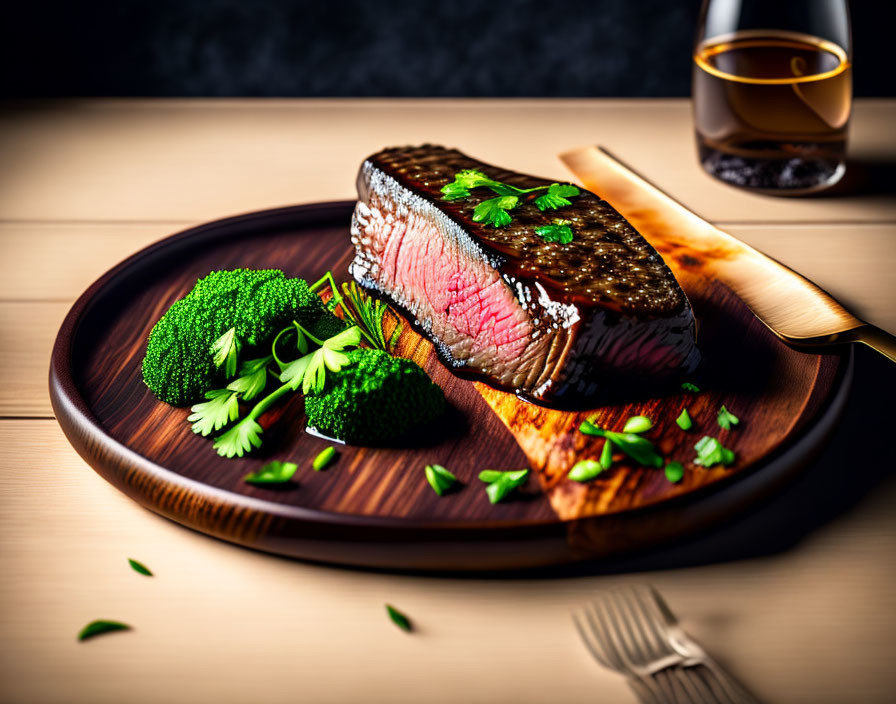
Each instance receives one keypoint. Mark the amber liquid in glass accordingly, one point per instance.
(771, 110)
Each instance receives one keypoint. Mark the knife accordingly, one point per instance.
(791, 306)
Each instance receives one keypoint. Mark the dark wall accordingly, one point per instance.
(371, 48)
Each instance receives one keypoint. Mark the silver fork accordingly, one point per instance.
(634, 632)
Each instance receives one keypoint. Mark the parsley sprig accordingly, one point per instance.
(308, 372)
(221, 408)
(496, 211)
(225, 351)
(560, 232)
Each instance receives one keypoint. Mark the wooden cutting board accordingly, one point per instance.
(373, 507)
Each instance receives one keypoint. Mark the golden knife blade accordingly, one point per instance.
(791, 306)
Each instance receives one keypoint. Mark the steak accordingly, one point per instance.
(550, 321)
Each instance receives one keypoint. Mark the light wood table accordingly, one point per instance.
(797, 598)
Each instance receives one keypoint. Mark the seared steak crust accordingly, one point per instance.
(546, 320)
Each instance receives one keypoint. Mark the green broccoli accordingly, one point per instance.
(179, 365)
(375, 398)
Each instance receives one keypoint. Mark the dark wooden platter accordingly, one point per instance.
(373, 506)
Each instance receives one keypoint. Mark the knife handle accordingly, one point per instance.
(877, 339)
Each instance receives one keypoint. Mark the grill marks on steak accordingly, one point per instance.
(542, 319)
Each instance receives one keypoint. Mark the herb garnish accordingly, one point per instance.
(638, 448)
(308, 371)
(311, 370)
(252, 379)
(274, 472)
(726, 419)
(500, 484)
(560, 232)
(710, 451)
(495, 211)
(368, 314)
(684, 420)
(225, 350)
(100, 626)
(674, 472)
(139, 567)
(606, 455)
(688, 386)
(221, 408)
(399, 619)
(439, 478)
(324, 457)
(585, 470)
(637, 424)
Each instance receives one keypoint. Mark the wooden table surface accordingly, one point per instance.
(797, 597)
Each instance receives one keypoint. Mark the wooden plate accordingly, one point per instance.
(373, 506)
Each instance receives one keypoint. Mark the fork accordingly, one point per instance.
(662, 662)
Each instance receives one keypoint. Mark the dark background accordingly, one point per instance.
(374, 48)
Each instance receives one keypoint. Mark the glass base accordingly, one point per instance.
(786, 176)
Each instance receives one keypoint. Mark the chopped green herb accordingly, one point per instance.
(98, 627)
(495, 211)
(221, 408)
(637, 424)
(639, 449)
(439, 478)
(710, 452)
(674, 472)
(252, 379)
(399, 619)
(274, 472)
(324, 457)
(684, 420)
(606, 455)
(139, 567)
(585, 470)
(560, 232)
(688, 386)
(726, 419)
(500, 484)
(490, 475)
(225, 350)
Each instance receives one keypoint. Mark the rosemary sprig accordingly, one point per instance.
(368, 314)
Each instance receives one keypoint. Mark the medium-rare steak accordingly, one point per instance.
(548, 320)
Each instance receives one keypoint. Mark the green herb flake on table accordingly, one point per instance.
(274, 472)
(439, 478)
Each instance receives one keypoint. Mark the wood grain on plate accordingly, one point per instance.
(373, 506)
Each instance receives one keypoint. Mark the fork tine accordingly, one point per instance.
(604, 649)
(648, 624)
(593, 648)
(621, 627)
(633, 653)
(607, 636)
(662, 606)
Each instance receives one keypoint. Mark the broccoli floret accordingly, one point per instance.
(376, 398)
(179, 367)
